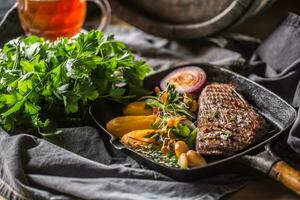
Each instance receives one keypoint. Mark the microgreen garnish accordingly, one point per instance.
(176, 119)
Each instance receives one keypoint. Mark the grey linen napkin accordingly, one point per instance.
(32, 168)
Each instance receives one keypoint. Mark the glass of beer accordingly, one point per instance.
(58, 18)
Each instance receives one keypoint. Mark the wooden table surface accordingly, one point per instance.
(263, 188)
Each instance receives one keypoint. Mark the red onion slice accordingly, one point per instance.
(186, 80)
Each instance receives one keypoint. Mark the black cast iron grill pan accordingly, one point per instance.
(279, 114)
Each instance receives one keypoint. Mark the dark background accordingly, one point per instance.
(259, 26)
(265, 22)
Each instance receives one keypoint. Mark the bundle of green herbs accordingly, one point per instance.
(42, 82)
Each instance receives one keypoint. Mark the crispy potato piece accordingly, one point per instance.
(140, 138)
(119, 126)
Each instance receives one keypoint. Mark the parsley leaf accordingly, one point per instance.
(43, 83)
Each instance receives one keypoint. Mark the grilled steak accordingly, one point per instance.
(226, 121)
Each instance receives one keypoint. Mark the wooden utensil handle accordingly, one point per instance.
(287, 175)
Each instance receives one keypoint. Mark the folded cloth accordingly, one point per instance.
(10, 26)
(5, 5)
(276, 65)
(32, 168)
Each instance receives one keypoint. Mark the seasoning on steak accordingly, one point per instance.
(226, 122)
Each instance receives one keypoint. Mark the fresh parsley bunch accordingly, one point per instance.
(42, 82)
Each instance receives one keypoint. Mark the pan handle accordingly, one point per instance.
(287, 175)
(268, 163)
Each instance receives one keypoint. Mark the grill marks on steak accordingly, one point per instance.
(226, 122)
